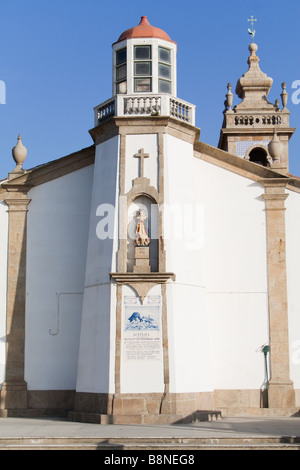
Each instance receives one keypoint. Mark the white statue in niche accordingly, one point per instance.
(142, 238)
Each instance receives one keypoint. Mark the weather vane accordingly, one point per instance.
(252, 31)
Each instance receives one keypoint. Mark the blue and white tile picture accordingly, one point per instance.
(142, 318)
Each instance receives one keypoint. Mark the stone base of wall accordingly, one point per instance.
(297, 398)
(252, 403)
(38, 403)
(152, 408)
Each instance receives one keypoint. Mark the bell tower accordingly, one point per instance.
(256, 129)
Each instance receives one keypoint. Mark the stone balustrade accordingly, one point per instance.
(145, 105)
(257, 120)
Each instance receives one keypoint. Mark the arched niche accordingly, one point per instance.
(150, 208)
(258, 155)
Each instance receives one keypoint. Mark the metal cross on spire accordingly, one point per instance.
(252, 31)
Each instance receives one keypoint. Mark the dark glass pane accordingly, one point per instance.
(142, 68)
(164, 55)
(142, 52)
(121, 72)
(142, 84)
(164, 71)
(121, 56)
(164, 86)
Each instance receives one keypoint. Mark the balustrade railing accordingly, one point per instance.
(145, 105)
(180, 110)
(256, 120)
(105, 110)
(142, 105)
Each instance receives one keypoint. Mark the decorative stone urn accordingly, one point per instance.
(229, 96)
(284, 95)
(275, 148)
(19, 153)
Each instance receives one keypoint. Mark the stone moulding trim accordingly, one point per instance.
(17, 204)
(142, 282)
(144, 125)
(158, 278)
(41, 174)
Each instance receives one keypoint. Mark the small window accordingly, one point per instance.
(142, 84)
(142, 69)
(122, 87)
(121, 71)
(121, 56)
(164, 55)
(164, 86)
(164, 70)
(142, 52)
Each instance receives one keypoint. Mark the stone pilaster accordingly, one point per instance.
(14, 389)
(281, 391)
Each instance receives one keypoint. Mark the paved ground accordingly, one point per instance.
(227, 427)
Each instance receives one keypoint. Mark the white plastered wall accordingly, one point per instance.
(3, 284)
(98, 330)
(292, 204)
(217, 308)
(235, 256)
(58, 220)
(187, 316)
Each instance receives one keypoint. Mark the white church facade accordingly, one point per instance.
(152, 277)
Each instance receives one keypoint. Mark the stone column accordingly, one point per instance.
(14, 389)
(281, 391)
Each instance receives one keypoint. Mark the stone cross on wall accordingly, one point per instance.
(141, 155)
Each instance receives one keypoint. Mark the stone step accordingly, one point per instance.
(151, 444)
(180, 418)
(263, 412)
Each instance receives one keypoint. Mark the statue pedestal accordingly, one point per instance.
(141, 260)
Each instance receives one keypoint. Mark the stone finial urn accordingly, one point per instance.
(284, 95)
(275, 148)
(229, 96)
(19, 153)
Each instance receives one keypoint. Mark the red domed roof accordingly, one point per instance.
(144, 30)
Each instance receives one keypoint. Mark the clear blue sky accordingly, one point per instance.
(56, 62)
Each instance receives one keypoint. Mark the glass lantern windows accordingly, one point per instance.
(121, 56)
(142, 52)
(164, 70)
(142, 69)
(121, 70)
(164, 55)
(150, 69)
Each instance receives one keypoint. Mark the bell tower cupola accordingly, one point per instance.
(144, 59)
(144, 78)
(256, 129)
